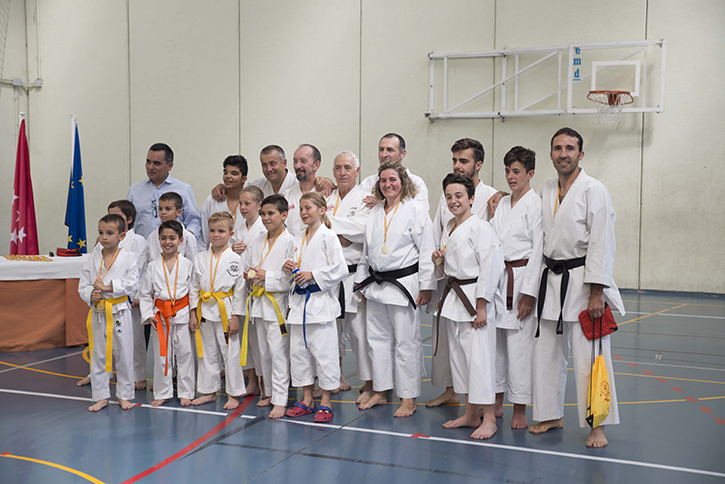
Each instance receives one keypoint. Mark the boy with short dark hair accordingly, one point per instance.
(164, 296)
(107, 279)
(170, 208)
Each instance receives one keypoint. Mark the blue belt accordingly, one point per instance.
(306, 291)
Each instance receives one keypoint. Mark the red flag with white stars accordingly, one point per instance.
(23, 230)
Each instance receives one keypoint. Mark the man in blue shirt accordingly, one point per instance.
(145, 194)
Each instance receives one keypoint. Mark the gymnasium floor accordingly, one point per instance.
(670, 376)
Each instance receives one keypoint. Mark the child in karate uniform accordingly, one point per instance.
(107, 279)
(517, 224)
(470, 304)
(266, 302)
(170, 208)
(250, 200)
(164, 298)
(395, 274)
(317, 266)
(136, 244)
(215, 283)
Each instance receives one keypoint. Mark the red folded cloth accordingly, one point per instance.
(604, 325)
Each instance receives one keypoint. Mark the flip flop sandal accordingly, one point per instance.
(299, 410)
(323, 415)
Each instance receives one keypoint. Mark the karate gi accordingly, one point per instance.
(472, 252)
(135, 243)
(323, 256)
(583, 226)
(393, 324)
(228, 276)
(368, 185)
(273, 362)
(440, 365)
(209, 207)
(265, 185)
(179, 349)
(349, 216)
(294, 223)
(521, 236)
(188, 248)
(123, 276)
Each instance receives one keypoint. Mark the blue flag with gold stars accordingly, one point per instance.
(75, 212)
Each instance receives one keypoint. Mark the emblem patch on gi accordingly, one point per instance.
(233, 269)
(118, 326)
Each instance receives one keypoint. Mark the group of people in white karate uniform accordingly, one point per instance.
(283, 272)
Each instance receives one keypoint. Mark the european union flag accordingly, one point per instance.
(75, 212)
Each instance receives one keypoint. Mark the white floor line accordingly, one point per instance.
(87, 399)
(681, 315)
(509, 447)
(39, 362)
(663, 364)
(398, 434)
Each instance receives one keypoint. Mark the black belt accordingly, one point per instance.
(351, 268)
(557, 267)
(455, 284)
(391, 277)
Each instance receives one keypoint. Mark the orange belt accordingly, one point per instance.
(166, 310)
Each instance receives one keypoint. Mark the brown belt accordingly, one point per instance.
(455, 284)
(510, 285)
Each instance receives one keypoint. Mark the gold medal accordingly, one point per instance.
(439, 260)
(251, 273)
(384, 250)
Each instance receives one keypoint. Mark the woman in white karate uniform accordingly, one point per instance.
(396, 280)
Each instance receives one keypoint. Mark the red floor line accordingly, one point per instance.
(662, 380)
(419, 436)
(632, 365)
(647, 372)
(691, 399)
(678, 390)
(719, 420)
(706, 410)
(230, 418)
(616, 357)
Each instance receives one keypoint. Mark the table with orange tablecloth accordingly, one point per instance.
(39, 304)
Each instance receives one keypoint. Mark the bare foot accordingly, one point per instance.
(378, 398)
(265, 402)
(98, 405)
(140, 385)
(84, 382)
(449, 396)
(317, 393)
(277, 412)
(250, 390)
(158, 403)
(498, 406)
(406, 409)
(211, 397)
(364, 396)
(547, 425)
(344, 385)
(464, 421)
(125, 404)
(185, 402)
(151, 387)
(519, 420)
(597, 438)
(485, 431)
(232, 403)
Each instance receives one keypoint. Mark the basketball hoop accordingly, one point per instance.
(609, 105)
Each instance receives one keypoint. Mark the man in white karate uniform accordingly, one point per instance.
(578, 222)
(307, 160)
(468, 158)
(392, 148)
(348, 214)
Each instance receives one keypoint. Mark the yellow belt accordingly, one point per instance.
(208, 297)
(258, 291)
(106, 304)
